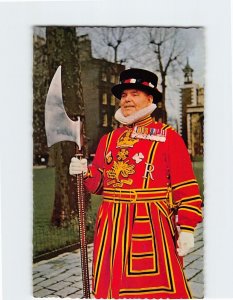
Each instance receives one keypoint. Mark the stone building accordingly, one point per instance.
(192, 113)
(98, 76)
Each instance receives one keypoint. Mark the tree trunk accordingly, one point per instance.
(62, 50)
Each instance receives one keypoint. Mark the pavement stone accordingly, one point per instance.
(74, 271)
(72, 278)
(196, 290)
(190, 258)
(38, 280)
(198, 244)
(199, 278)
(78, 284)
(79, 294)
(43, 267)
(48, 282)
(42, 293)
(62, 277)
(59, 286)
(190, 273)
(37, 274)
(37, 288)
(197, 264)
(52, 273)
(199, 251)
(66, 292)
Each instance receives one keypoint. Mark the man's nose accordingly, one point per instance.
(127, 98)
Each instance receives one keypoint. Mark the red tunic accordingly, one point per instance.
(135, 253)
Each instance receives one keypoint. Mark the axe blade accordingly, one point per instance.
(58, 126)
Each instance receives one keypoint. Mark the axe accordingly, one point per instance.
(59, 127)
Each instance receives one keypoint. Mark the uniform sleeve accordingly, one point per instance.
(184, 186)
(94, 178)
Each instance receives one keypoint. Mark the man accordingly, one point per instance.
(144, 173)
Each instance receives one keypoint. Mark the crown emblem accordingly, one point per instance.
(125, 140)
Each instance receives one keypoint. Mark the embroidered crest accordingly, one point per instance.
(125, 140)
(109, 157)
(138, 157)
(120, 168)
(122, 154)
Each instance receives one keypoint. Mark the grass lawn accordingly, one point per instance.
(46, 237)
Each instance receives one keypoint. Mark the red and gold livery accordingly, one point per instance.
(144, 175)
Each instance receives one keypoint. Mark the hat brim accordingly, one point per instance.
(119, 88)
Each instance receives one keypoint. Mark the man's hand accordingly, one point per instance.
(78, 166)
(185, 242)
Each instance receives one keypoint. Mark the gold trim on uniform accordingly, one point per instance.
(99, 259)
(183, 184)
(108, 142)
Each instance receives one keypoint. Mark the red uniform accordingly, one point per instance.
(136, 168)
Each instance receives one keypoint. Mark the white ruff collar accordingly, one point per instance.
(136, 116)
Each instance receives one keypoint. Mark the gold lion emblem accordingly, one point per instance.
(120, 168)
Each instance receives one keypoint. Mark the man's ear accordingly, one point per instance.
(151, 99)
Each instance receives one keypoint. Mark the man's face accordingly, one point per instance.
(133, 100)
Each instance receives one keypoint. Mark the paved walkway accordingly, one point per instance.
(61, 276)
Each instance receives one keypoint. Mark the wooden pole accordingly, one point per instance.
(82, 235)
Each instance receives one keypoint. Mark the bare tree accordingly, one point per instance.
(159, 48)
(111, 43)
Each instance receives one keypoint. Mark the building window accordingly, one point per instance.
(104, 98)
(105, 120)
(113, 100)
(113, 78)
(104, 76)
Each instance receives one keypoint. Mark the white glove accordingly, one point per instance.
(78, 166)
(185, 242)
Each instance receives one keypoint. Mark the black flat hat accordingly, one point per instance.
(139, 79)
